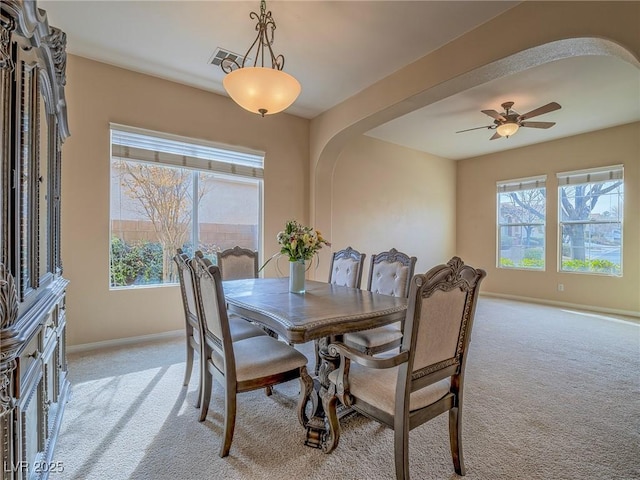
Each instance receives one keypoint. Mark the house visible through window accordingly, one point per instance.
(521, 223)
(169, 192)
(591, 214)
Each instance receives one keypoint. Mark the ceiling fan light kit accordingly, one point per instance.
(260, 88)
(507, 129)
(509, 122)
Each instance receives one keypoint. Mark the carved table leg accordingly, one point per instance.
(307, 393)
(332, 435)
(323, 432)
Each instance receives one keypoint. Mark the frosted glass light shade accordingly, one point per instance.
(507, 129)
(262, 90)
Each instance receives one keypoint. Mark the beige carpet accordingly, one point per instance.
(550, 394)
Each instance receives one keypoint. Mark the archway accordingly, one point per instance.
(402, 93)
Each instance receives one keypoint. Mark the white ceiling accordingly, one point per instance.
(594, 92)
(337, 48)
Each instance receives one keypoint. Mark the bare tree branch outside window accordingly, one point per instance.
(164, 196)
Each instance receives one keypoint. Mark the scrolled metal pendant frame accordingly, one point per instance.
(265, 27)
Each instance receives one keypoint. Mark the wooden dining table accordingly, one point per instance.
(325, 311)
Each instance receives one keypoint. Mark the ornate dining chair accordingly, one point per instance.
(426, 378)
(345, 270)
(240, 328)
(243, 365)
(237, 263)
(389, 274)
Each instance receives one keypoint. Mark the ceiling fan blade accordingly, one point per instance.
(495, 115)
(495, 135)
(538, 124)
(549, 107)
(476, 128)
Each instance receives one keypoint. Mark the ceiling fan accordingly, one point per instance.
(508, 122)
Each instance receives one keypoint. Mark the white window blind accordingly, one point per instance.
(591, 175)
(130, 143)
(519, 184)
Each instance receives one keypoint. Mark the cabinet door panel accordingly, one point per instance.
(44, 181)
(26, 173)
(33, 429)
(6, 168)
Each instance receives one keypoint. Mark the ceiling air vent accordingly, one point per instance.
(220, 54)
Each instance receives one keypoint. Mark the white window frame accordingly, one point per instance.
(584, 177)
(201, 156)
(519, 185)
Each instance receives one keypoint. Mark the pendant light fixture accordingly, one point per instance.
(260, 87)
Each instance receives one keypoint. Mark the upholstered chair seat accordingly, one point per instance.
(375, 339)
(378, 387)
(258, 357)
(389, 274)
(241, 328)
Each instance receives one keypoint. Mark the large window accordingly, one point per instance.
(169, 192)
(521, 223)
(591, 214)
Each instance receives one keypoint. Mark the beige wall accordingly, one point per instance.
(98, 94)
(385, 196)
(302, 159)
(476, 217)
(555, 30)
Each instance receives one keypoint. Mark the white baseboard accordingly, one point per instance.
(591, 308)
(120, 342)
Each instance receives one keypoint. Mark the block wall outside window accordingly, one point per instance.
(168, 193)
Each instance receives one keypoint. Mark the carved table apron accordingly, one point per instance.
(324, 312)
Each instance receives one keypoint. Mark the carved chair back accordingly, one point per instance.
(187, 290)
(438, 325)
(237, 263)
(438, 328)
(214, 321)
(192, 327)
(346, 268)
(211, 303)
(390, 273)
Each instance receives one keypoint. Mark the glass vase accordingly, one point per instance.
(296, 276)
